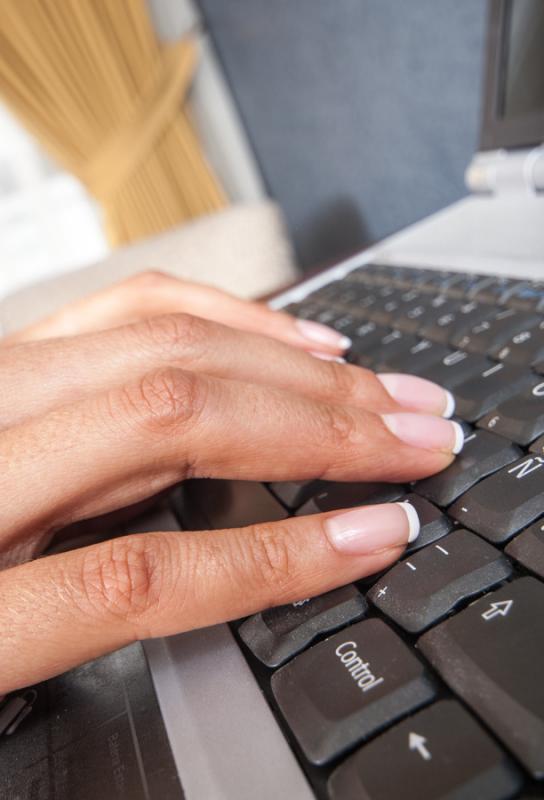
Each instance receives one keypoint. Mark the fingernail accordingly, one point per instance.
(421, 430)
(316, 332)
(362, 531)
(418, 394)
(328, 357)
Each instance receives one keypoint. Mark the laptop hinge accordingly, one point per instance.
(500, 171)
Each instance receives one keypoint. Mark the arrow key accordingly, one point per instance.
(439, 752)
(490, 655)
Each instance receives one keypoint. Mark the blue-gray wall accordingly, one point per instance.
(363, 113)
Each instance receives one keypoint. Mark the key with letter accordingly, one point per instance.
(440, 752)
(520, 418)
(423, 588)
(416, 358)
(524, 347)
(455, 368)
(490, 654)
(504, 503)
(483, 392)
(483, 453)
(344, 689)
(277, 634)
(494, 332)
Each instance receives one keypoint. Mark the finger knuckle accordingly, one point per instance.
(270, 554)
(338, 427)
(165, 399)
(121, 578)
(344, 381)
(173, 334)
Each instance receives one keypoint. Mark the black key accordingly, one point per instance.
(479, 394)
(492, 656)
(456, 367)
(528, 548)
(499, 290)
(529, 297)
(348, 495)
(538, 446)
(307, 311)
(469, 285)
(433, 523)
(365, 337)
(456, 321)
(524, 347)
(521, 418)
(422, 589)
(482, 454)
(440, 752)
(348, 687)
(387, 348)
(416, 358)
(440, 280)
(421, 311)
(294, 493)
(328, 316)
(347, 296)
(278, 634)
(347, 323)
(385, 308)
(494, 332)
(506, 502)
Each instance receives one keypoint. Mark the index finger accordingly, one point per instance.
(151, 294)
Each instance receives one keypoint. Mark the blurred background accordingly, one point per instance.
(123, 119)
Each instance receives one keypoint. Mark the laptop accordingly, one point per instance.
(425, 681)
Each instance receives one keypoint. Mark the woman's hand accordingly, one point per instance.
(96, 422)
(150, 294)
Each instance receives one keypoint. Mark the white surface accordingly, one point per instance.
(48, 223)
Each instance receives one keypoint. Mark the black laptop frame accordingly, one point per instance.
(497, 131)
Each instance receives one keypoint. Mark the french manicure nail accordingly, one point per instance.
(322, 334)
(362, 531)
(422, 430)
(328, 357)
(418, 393)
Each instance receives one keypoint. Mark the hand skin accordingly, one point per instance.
(116, 399)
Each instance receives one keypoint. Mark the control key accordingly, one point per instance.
(348, 687)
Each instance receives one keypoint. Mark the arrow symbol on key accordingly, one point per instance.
(498, 609)
(417, 742)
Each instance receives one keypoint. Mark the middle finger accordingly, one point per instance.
(67, 369)
(114, 449)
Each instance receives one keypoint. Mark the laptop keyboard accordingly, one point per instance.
(426, 681)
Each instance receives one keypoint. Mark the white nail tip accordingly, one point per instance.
(327, 357)
(413, 521)
(459, 438)
(345, 343)
(450, 405)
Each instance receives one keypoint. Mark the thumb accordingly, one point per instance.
(62, 610)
